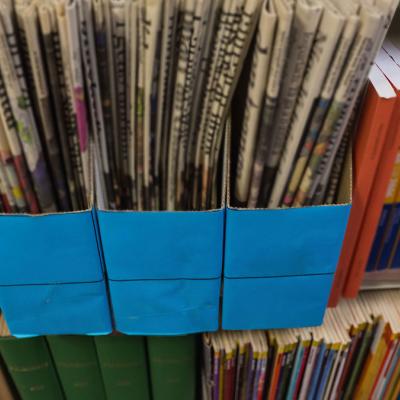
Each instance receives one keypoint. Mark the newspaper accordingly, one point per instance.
(28, 22)
(7, 198)
(165, 88)
(322, 53)
(255, 97)
(53, 61)
(11, 69)
(105, 74)
(132, 15)
(11, 145)
(336, 173)
(223, 91)
(174, 184)
(10, 172)
(88, 43)
(321, 106)
(140, 109)
(194, 50)
(284, 11)
(219, 94)
(216, 45)
(118, 44)
(387, 8)
(152, 20)
(65, 75)
(204, 60)
(78, 85)
(339, 111)
(305, 22)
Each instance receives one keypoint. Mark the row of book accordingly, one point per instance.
(371, 248)
(309, 63)
(354, 354)
(102, 367)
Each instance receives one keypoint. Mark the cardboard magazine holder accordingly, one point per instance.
(51, 274)
(280, 263)
(164, 268)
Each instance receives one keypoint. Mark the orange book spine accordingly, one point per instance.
(374, 124)
(376, 200)
(275, 378)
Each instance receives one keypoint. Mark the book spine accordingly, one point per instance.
(172, 367)
(123, 366)
(76, 362)
(30, 366)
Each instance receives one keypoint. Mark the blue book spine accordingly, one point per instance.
(373, 255)
(325, 373)
(296, 370)
(317, 370)
(390, 237)
(391, 370)
(396, 259)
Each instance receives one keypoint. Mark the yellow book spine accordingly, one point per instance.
(368, 379)
(393, 188)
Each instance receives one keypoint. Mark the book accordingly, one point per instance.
(373, 129)
(29, 364)
(382, 177)
(354, 354)
(172, 364)
(75, 360)
(123, 365)
(383, 220)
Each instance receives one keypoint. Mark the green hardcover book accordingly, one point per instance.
(30, 366)
(76, 362)
(173, 367)
(123, 364)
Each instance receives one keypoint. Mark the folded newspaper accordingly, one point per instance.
(306, 75)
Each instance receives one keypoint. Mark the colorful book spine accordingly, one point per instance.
(391, 231)
(380, 232)
(396, 257)
(76, 362)
(123, 365)
(374, 128)
(30, 366)
(173, 367)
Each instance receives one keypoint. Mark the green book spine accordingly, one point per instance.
(30, 366)
(76, 362)
(173, 367)
(123, 364)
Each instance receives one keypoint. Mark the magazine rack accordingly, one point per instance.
(52, 278)
(280, 264)
(164, 269)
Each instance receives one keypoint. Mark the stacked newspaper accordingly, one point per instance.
(309, 63)
(354, 354)
(149, 82)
